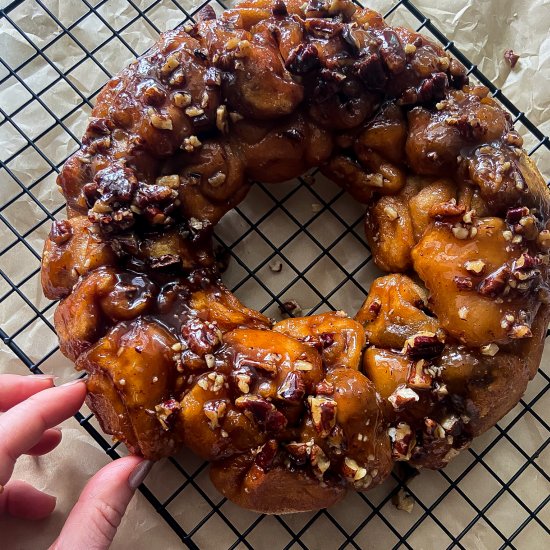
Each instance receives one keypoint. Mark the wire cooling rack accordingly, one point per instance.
(492, 496)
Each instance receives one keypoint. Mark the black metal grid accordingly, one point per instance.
(276, 222)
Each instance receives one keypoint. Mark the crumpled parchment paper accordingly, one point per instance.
(482, 30)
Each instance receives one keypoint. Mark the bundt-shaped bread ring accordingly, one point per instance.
(292, 414)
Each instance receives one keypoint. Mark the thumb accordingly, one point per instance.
(93, 522)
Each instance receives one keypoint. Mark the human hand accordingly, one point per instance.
(31, 408)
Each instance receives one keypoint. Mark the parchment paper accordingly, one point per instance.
(483, 30)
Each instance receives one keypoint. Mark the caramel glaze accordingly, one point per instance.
(292, 414)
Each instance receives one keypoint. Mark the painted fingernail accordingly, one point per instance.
(73, 382)
(139, 473)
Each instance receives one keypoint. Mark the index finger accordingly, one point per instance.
(23, 425)
(15, 388)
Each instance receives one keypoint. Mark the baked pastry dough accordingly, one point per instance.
(293, 414)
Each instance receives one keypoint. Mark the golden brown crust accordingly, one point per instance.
(294, 414)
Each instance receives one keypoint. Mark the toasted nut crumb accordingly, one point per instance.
(403, 501)
(463, 313)
(521, 331)
(243, 382)
(375, 180)
(489, 349)
(316, 207)
(391, 213)
(276, 266)
(410, 49)
(182, 99)
(210, 360)
(460, 232)
(173, 181)
(171, 64)
(221, 119)
(194, 111)
(402, 396)
(474, 266)
(444, 63)
(191, 143)
(511, 58)
(217, 179)
(544, 239)
(177, 346)
(162, 122)
(303, 365)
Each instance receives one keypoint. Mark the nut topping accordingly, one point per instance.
(403, 441)
(164, 413)
(323, 413)
(424, 345)
(402, 396)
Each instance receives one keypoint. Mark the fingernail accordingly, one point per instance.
(139, 473)
(73, 382)
(43, 376)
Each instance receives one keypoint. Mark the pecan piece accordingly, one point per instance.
(513, 215)
(402, 396)
(495, 283)
(323, 413)
(292, 388)
(165, 260)
(424, 345)
(298, 452)
(61, 232)
(403, 441)
(266, 455)
(319, 461)
(303, 59)
(463, 283)
(511, 57)
(214, 411)
(263, 412)
(200, 337)
(165, 411)
(418, 377)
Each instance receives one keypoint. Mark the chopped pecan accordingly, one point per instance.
(513, 215)
(201, 337)
(495, 283)
(292, 388)
(511, 57)
(263, 412)
(356, 473)
(61, 232)
(214, 411)
(403, 441)
(323, 413)
(324, 388)
(326, 339)
(402, 396)
(370, 70)
(463, 283)
(319, 460)
(418, 378)
(164, 413)
(303, 59)
(298, 452)
(290, 308)
(424, 345)
(165, 260)
(266, 455)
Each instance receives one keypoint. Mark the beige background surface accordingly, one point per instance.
(483, 30)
